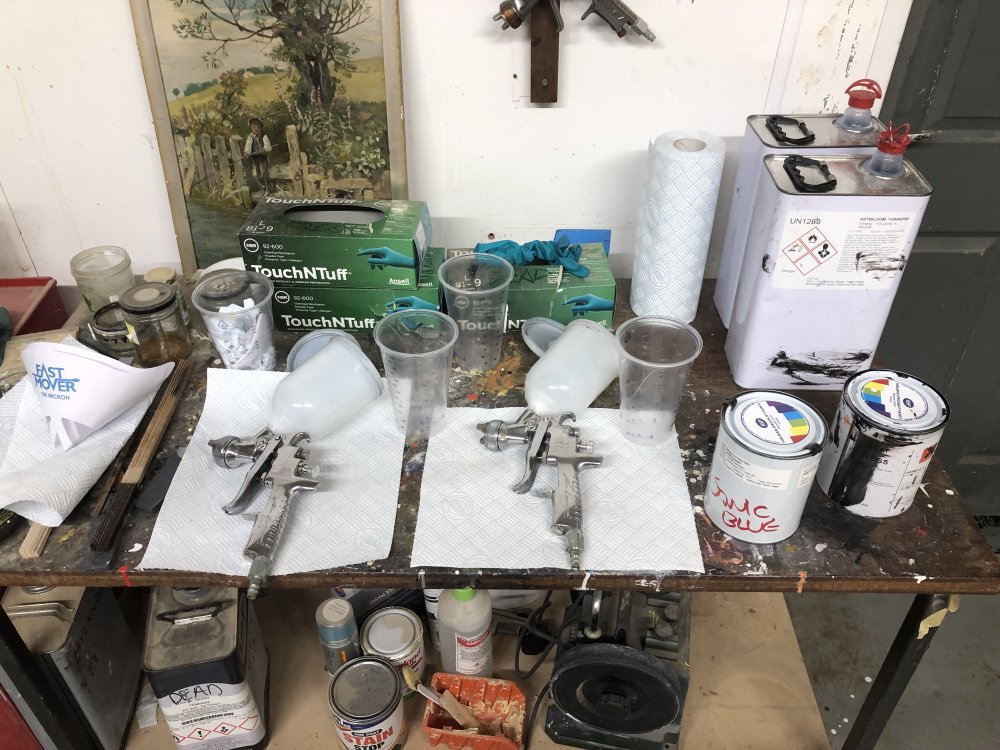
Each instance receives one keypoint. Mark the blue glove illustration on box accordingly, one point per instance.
(383, 257)
(586, 303)
(556, 253)
(409, 303)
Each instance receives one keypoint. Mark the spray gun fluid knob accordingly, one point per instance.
(306, 471)
(584, 446)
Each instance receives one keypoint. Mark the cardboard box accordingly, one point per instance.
(322, 243)
(542, 291)
(354, 310)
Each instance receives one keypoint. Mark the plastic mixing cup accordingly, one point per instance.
(475, 292)
(236, 306)
(656, 356)
(416, 350)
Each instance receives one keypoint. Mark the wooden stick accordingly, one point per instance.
(34, 541)
(121, 499)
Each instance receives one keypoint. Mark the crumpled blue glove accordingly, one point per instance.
(554, 252)
(408, 303)
(585, 303)
(381, 257)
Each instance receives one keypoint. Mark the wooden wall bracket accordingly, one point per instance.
(544, 54)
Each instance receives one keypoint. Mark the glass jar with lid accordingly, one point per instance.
(103, 274)
(154, 324)
(167, 275)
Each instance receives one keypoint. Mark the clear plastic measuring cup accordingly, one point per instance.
(475, 292)
(416, 350)
(236, 306)
(656, 356)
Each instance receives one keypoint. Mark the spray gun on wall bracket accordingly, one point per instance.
(551, 441)
(277, 463)
(614, 13)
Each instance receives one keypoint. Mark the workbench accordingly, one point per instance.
(933, 550)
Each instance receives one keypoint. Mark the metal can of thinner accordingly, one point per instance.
(366, 701)
(885, 433)
(766, 456)
(395, 634)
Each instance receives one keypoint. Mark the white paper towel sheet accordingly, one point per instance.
(348, 519)
(637, 512)
(41, 481)
(675, 223)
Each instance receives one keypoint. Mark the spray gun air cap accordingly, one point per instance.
(894, 140)
(863, 93)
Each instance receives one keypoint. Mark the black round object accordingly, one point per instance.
(147, 297)
(615, 688)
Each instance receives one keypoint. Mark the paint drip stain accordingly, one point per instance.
(817, 368)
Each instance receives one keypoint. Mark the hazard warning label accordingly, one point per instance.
(810, 251)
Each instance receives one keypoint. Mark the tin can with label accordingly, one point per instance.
(396, 635)
(366, 701)
(766, 456)
(885, 433)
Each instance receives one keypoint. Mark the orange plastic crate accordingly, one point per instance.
(498, 705)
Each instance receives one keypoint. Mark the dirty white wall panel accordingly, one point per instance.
(14, 258)
(78, 159)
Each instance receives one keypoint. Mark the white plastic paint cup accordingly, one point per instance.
(574, 370)
(656, 356)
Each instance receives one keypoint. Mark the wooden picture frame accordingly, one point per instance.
(207, 168)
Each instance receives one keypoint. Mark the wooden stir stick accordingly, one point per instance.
(120, 500)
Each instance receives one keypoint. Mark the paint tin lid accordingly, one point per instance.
(392, 633)
(364, 689)
(774, 424)
(896, 401)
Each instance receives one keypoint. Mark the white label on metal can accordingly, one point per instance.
(774, 421)
(842, 250)
(807, 475)
(894, 400)
(472, 652)
(213, 716)
(380, 736)
(754, 474)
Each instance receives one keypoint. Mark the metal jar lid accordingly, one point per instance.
(774, 424)
(896, 401)
(162, 274)
(148, 297)
(393, 632)
(309, 345)
(365, 689)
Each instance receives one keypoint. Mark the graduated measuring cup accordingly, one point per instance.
(416, 350)
(656, 356)
(236, 306)
(475, 292)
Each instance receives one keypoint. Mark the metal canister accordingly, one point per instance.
(207, 665)
(766, 456)
(366, 701)
(395, 634)
(82, 641)
(887, 428)
(338, 632)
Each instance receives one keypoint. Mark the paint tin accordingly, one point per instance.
(887, 428)
(366, 701)
(765, 458)
(396, 635)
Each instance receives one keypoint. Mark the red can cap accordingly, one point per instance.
(863, 93)
(894, 140)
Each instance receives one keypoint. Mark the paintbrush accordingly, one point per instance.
(459, 712)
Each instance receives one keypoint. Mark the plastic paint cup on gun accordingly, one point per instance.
(416, 350)
(236, 307)
(656, 356)
(475, 292)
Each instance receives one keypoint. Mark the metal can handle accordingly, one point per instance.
(794, 163)
(774, 123)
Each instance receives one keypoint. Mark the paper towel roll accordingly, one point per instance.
(675, 223)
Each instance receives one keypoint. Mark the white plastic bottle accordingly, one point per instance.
(465, 617)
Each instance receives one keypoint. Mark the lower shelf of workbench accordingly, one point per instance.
(749, 687)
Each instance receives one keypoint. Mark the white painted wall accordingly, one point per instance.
(79, 167)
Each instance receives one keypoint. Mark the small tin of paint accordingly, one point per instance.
(765, 458)
(366, 701)
(887, 428)
(395, 634)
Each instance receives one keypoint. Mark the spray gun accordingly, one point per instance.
(614, 13)
(550, 441)
(278, 463)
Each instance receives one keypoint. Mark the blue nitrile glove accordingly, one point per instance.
(409, 303)
(380, 257)
(586, 303)
(555, 252)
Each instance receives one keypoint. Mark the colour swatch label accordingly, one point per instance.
(893, 400)
(775, 422)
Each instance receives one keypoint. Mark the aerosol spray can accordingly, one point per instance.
(432, 599)
(826, 251)
(853, 132)
(207, 665)
(338, 632)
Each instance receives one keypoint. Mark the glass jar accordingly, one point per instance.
(167, 275)
(154, 324)
(103, 275)
(108, 328)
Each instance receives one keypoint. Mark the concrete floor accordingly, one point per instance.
(953, 700)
